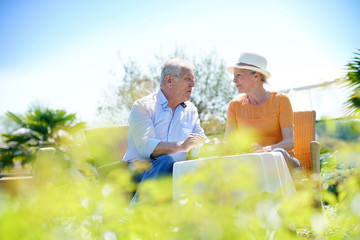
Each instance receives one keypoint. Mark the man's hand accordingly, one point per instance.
(174, 147)
(191, 141)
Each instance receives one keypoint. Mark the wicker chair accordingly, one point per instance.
(108, 146)
(306, 149)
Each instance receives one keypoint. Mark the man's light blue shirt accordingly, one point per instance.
(152, 121)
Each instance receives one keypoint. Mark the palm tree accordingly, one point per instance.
(38, 127)
(352, 81)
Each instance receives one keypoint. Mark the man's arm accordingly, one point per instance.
(142, 130)
(173, 147)
(197, 128)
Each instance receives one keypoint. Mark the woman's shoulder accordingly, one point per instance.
(281, 100)
(279, 96)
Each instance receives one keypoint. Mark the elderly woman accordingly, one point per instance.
(268, 113)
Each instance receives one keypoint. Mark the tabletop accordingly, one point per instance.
(237, 176)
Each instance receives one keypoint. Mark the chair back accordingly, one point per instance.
(304, 134)
(107, 144)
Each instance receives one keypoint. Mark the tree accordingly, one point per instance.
(211, 95)
(118, 100)
(38, 127)
(352, 81)
(213, 92)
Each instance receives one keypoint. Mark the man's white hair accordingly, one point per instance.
(173, 67)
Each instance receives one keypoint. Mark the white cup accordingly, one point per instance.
(195, 151)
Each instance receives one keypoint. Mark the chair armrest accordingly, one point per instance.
(104, 170)
(315, 156)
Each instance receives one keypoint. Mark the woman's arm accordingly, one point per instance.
(228, 130)
(287, 143)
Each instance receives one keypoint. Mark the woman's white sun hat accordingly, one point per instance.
(253, 62)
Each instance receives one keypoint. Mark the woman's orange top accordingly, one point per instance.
(266, 119)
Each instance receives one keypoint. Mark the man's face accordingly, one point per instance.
(244, 80)
(183, 85)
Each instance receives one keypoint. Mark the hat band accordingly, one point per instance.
(247, 65)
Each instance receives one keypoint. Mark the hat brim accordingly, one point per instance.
(263, 72)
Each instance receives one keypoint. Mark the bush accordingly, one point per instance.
(72, 206)
(336, 134)
(38, 127)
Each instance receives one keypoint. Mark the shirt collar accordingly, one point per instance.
(164, 102)
(183, 105)
(162, 99)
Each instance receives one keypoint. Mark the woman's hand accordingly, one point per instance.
(257, 148)
(214, 141)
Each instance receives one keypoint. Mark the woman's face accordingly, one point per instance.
(245, 80)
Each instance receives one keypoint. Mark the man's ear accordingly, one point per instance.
(169, 81)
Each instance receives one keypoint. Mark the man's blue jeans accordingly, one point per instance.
(161, 166)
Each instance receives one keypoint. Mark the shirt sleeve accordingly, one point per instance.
(142, 131)
(286, 112)
(197, 128)
(231, 116)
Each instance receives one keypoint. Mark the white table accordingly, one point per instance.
(252, 173)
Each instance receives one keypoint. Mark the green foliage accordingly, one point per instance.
(73, 207)
(352, 81)
(346, 129)
(224, 206)
(340, 146)
(336, 134)
(38, 127)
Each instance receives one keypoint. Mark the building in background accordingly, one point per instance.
(327, 99)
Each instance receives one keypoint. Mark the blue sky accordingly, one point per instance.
(59, 53)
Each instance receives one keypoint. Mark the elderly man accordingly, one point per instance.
(164, 125)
